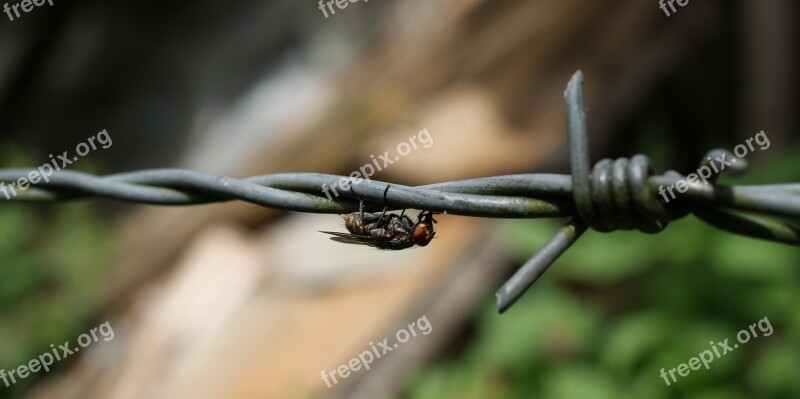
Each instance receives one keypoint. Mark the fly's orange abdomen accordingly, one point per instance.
(353, 224)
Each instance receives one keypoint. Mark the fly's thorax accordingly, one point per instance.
(387, 230)
(398, 225)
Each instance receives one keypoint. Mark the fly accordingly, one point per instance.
(386, 230)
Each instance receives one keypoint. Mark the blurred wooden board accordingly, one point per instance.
(485, 79)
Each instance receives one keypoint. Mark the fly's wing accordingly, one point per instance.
(351, 238)
(373, 217)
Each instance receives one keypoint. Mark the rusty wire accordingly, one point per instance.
(617, 194)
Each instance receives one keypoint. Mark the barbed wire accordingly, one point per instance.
(615, 195)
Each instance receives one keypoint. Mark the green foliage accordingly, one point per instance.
(619, 307)
(52, 264)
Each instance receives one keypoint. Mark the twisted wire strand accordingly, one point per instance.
(621, 194)
(509, 196)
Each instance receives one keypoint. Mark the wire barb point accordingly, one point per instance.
(619, 194)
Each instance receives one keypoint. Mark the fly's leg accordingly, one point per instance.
(385, 205)
(360, 202)
(430, 214)
(403, 212)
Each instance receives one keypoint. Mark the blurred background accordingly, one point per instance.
(237, 301)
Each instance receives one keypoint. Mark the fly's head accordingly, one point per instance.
(422, 232)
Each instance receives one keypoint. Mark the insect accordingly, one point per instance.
(386, 230)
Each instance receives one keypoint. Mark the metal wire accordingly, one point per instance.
(620, 194)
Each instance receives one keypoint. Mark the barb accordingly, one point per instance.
(617, 194)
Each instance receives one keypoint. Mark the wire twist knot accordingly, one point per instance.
(613, 194)
(620, 198)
